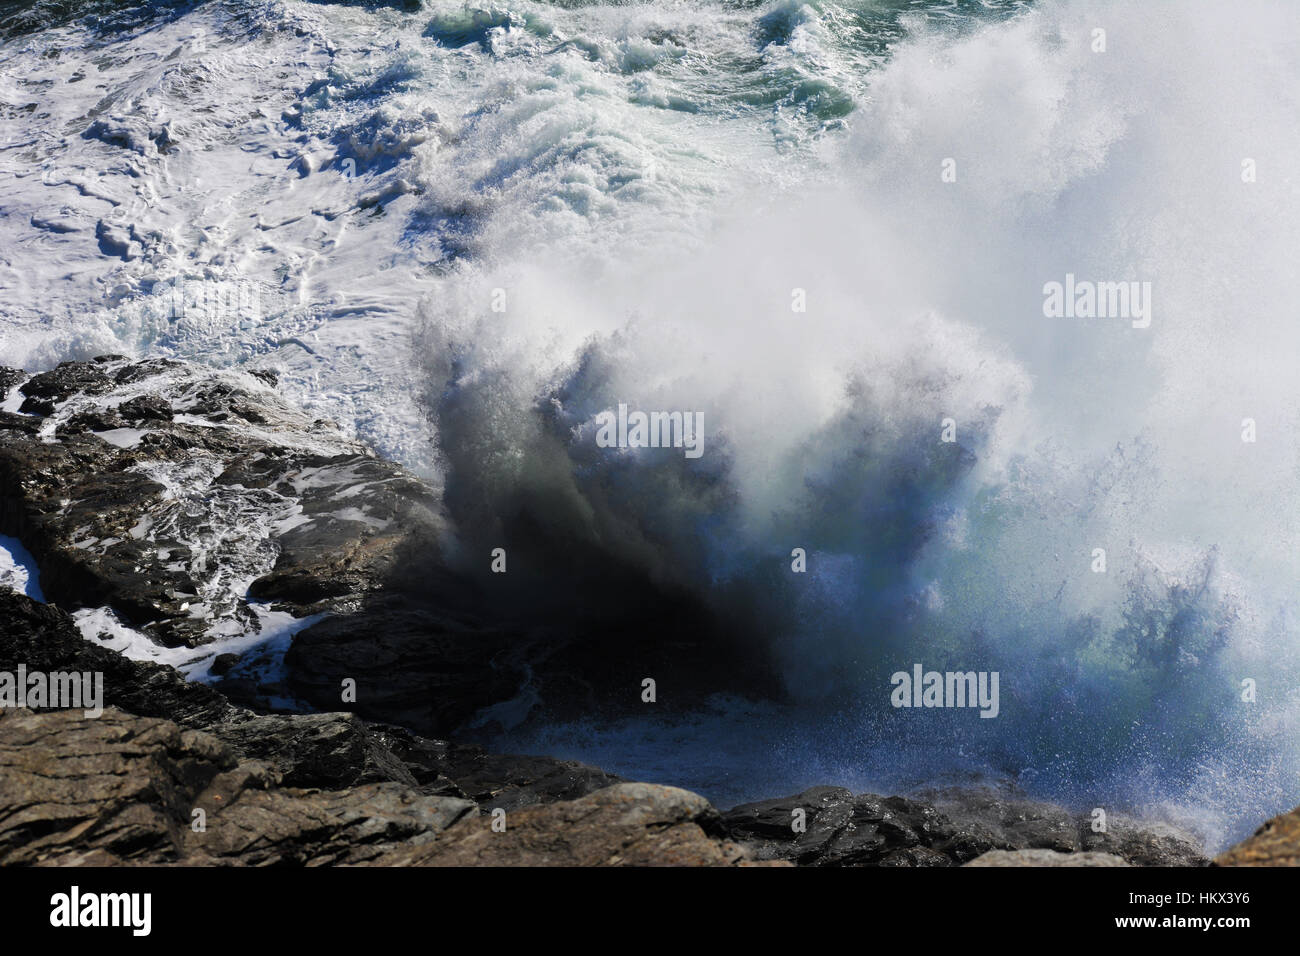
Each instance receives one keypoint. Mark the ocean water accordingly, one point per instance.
(465, 230)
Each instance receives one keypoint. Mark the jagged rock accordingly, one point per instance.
(843, 830)
(1046, 858)
(630, 824)
(146, 408)
(331, 750)
(507, 781)
(45, 391)
(123, 788)
(171, 485)
(260, 827)
(314, 750)
(223, 662)
(992, 819)
(121, 784)
(9, 377)
(127, 788)
(159, 488)
(1011, 822)
(1145, 843)
(1276, 843)
(938, 828)
(413, 665)
(44, 638)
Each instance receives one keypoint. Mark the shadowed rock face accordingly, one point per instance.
(329, 750)
(44, 638)
(191, 500)
(939, 828)
(332, 788)
(123, 787)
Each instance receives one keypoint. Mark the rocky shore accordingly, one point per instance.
(187, 508)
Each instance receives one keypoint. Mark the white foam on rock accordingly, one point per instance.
(18, 568)
(123, 437)
(267, 640)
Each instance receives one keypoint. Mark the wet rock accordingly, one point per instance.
(9, 377)
(45, 391)
(146, 408)
(171, 485)
(330, 750)
(314, 750)
(1276, 843)
(44, 638)
(413, 665)
(830, 826)
(1145, 843)
(95, 420)
(191, 501)
(938, 828)
(1007, 820)
(988, 819)
(223, 663)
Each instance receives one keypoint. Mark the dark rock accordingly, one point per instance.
(160, 525)
(1144, 843)
(938, 828)
(97, 420)
(508, 781)
(331, 750)
(9, 377)
(38, 406)
(1011, 822)
(840, 829)
(349, 543)
(133, 372)
(412, 665)
(44, 638)
(223, 662)
(46, 390)
(990, 819)
(146, 408)
(212, 481)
